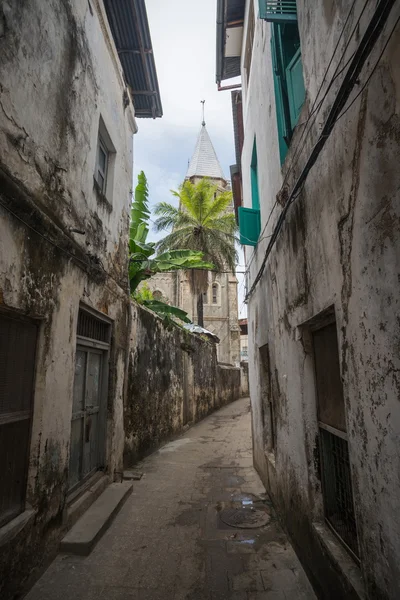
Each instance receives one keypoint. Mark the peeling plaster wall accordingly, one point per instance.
(59, 73)
(339, 247)
(174, 380)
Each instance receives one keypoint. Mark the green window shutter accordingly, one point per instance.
(295, 86)
(255, 197)
(283, 133)
(249, 226)
(278, 11)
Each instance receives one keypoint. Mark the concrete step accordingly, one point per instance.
(132, 475)
(83, 536)
(81, 501)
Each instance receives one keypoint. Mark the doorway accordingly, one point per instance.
(87, 446)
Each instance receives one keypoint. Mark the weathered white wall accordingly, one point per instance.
(59, 73)
(339, 246)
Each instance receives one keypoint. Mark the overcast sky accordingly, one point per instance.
(183, 37)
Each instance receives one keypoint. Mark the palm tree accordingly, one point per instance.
(200, 223)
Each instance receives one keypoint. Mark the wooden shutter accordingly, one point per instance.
(295, 87)
(279, 83)
(249, 226)
(17, 366)
(278, 11)
(255, 198)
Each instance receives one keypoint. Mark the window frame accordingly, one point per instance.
(106, 146)
(215, 286)
(336, 432)
(283, 84)
(10, 418)
(103, 173)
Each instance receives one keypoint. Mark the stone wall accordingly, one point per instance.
(174, 380)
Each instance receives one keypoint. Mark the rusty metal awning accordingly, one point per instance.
(130, 29)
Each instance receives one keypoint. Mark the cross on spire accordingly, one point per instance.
(203, 103)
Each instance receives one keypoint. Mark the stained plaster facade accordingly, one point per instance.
(338, 250)
(62, 243)
(220, 317)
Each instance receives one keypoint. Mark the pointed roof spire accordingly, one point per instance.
(204, 161)
(203, 103)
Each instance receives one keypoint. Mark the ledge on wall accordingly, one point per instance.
(345, 564)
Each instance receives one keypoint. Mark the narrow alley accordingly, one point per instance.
(171, 539)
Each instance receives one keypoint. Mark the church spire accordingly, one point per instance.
(203, 121)
(204, 161)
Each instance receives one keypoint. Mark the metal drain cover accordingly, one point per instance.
(244, 518)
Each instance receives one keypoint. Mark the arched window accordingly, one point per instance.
(157, 295)
(214, 290)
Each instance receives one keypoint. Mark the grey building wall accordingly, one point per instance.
(338, 248)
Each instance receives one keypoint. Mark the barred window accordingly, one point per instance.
(17, 366)
(334, 451)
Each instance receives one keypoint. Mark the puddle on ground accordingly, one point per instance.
(172, 446)
(246, 512)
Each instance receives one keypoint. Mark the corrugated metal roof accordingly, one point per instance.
(204, 162)
(130, 29)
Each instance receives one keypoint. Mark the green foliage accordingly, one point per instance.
(143, 294)
(142, 262)
(203, 223)
(168, 313)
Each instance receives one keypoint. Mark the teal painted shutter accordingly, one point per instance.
(255, 198)
(278, 82)
(249, 226)
(295, 87)
(278, 11)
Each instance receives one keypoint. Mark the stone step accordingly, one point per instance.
(86, 532)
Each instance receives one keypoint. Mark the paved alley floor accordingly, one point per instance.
(174, 540)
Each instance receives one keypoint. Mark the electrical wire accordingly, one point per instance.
(371, 74)
(297, 151)
(366, 45)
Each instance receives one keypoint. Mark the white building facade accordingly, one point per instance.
(319, 218)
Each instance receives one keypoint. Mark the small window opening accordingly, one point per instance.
(215, 293)
(105, 163)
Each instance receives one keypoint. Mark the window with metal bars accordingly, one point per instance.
(214, 290)
(334, 451)
(92, 328)
(17, 366)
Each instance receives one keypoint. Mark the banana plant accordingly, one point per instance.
(143, 260)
